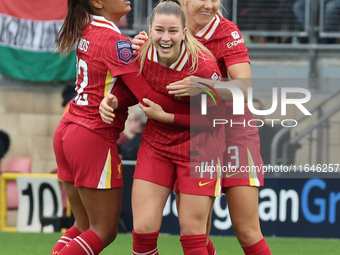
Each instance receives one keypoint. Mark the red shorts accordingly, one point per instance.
(243, 165)
(86, 158)
(155, 168)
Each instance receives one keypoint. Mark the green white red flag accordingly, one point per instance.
(27, 40)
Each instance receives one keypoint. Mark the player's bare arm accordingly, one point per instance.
(106, 108)
(155, 111)
(240, 74)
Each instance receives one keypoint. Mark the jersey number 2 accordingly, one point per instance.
(81, 97)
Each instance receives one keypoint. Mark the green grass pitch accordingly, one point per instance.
(42, 244)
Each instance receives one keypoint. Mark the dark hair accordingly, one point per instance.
(78, 15)
(4, 143)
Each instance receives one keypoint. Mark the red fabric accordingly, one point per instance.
(71, 233)
(126, 98)
(140, 87)
(200, 122)
(211, 248)
(122, 139)
(194, 244)
(243, 150)
(145, 244)
(229, 48)
(260, 248)
(155, 168)
(102, 69)
(83, 161)
(87, 243)
(173, 141)
(218, 45)
(97, 61)
(35, 10)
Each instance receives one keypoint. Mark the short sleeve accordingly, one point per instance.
(234, 49)
(119, 56)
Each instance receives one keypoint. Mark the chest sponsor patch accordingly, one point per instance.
(235, 43)
(124, 51)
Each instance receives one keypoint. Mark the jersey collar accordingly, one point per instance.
(100, 21)
(179, 63)
(210, 28)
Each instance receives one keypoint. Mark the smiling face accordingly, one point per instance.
(200, 12)
(167, 34)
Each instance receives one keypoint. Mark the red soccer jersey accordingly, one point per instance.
(104, 64)
(98, 75)
(223, 38)
(174, 141)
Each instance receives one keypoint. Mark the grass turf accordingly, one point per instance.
(42, 244)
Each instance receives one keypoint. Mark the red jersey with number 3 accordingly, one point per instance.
(103, 54)
(174, 141)
(224, 40)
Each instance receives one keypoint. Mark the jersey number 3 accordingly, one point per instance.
(235, 157)
(81, 97)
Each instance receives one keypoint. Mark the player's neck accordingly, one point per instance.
(195, 29)
(113, 18)
(165, 62)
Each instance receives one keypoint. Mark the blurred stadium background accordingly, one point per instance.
(285, 51)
